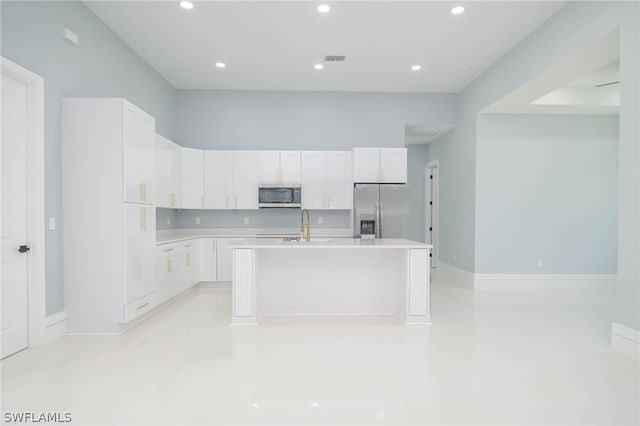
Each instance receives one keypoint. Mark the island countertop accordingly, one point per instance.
(331, 243)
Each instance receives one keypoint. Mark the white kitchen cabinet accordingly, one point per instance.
(224, 258)
(208, 257)
(192, 178)
(326, 180)
(139, 250)
(279, 167)
(138, 151)
(380, 165)
(218, 179)
(393, 165)
(168, 271)
(245, 180)
(109, 241)
(168, 174)
(190, 263)
(231, 180)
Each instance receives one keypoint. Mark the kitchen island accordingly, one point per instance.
(339, 276)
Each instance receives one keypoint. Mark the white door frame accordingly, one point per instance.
(433, 167)
(35, 197)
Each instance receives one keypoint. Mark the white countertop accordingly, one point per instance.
(325, 242)
(166, 236)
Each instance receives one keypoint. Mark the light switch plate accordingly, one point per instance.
(246, 220)
(320, 220)
(52, 223)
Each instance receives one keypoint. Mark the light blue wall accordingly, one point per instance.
(100, 66)
(264, 218)
(547, 187)
(566, 32)
(305, 120)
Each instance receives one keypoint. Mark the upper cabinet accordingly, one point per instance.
(279, 167)
(168, 190)
(326, 180)
(380, 165)
(231, 180)
(138, 144)
(192, 178)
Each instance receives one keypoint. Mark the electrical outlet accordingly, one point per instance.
(455, 256)
(168, 221)
(540, 263)
(197, 220)
(320, 220)
(246, 220)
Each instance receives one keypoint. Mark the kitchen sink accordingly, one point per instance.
(298, 240)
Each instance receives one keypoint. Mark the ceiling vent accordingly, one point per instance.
(334, 58)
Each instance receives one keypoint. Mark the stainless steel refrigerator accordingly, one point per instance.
(381, 208)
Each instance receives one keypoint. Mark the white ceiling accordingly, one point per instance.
(274, 45)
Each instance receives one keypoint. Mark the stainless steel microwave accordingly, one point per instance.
(279, 196)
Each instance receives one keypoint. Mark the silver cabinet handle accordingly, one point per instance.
(381, 219)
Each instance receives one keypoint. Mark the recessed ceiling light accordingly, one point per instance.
(318, 66)
(416, 67)
(186, 5)
(457, 10)
(324, 8)
(220, 65)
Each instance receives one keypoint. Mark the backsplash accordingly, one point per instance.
(264, 218)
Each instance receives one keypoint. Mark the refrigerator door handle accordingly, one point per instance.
(377, 220)
(381, 218)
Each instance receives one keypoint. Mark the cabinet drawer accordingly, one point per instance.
(139, 307)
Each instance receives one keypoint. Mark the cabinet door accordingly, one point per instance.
(366, 165)
(175, 184)
(168, 271)
(133, 146)
(139, 250)
(218, 179)
(245, 180)
(268, 167)
(290, 167)
(148, 136)
(208, 254)
(192, 178)
(393, 165)
(164, 166)
(190, 263)
(339, 182)
(314, 180)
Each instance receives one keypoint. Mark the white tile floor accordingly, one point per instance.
(489, 358)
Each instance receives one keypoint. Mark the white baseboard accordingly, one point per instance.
(451, 275)
(625, 341)
(55, 326)
(542, 281)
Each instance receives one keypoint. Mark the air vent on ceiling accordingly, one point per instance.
(334, 58)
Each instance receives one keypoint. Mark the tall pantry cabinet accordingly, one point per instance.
(109, 214)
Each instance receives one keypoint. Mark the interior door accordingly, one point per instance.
(13, 202)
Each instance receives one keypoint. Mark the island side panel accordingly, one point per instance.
(243, 287)
(418, 287)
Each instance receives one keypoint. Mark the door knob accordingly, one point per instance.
(24, 249)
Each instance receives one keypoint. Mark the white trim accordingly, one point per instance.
(35, 197)
(541, 281)
(450, 275)
(434, 166)
(55, 327)
(626, 341)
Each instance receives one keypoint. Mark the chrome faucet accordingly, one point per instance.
(306, 233)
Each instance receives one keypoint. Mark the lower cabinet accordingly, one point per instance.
(208, 259)
(168, 271)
